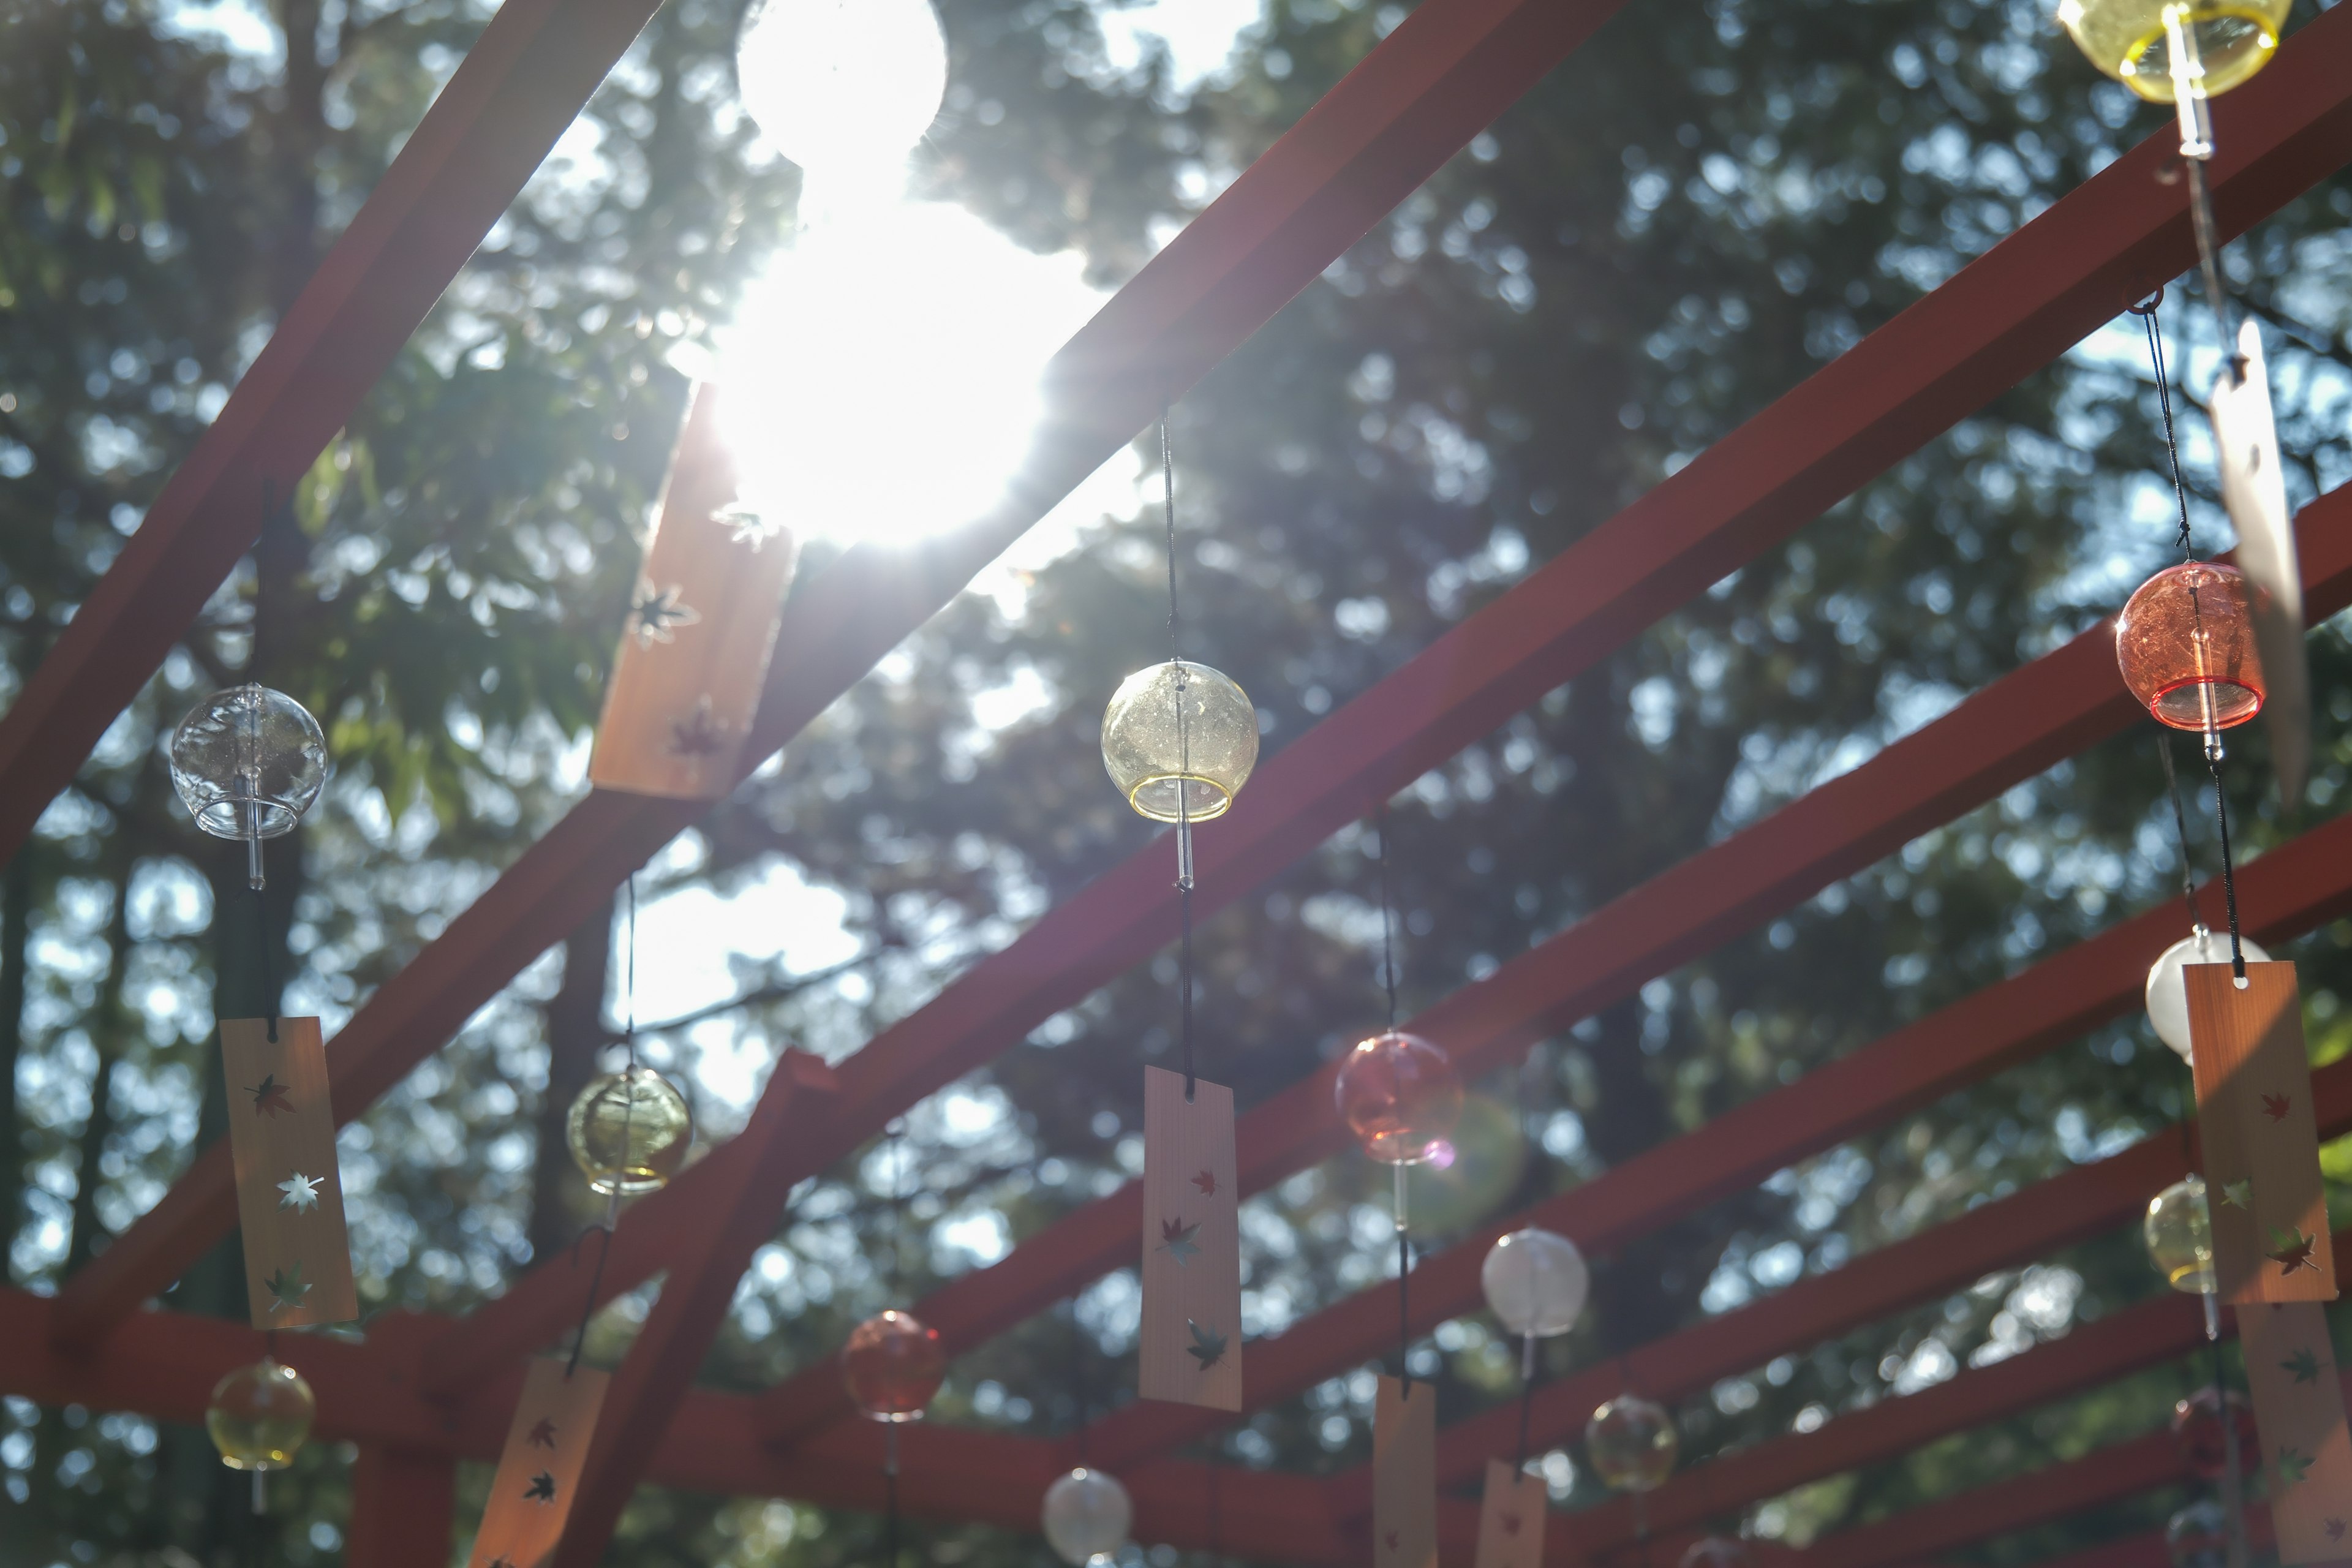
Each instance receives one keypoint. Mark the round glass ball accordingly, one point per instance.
(1631, 1444)
(2185, 643)
(835, 83)
(1087, 1516)
(2204, 1442)
(1716, 1552)
(2128, 39)
(1536, 1282)
(629, 1131)
(894, 1364)
(1180, 739)
(260, 1415)
(2168, 989)
(2199, 1536)
(2179, 1231)
(248, 762)
(1399, 1095)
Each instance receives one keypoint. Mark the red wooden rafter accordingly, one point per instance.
(1448, 70)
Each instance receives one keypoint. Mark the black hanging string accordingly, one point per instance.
(2208, 261)
(603, 1229)
(1527, 1349)
(1405, 1241)
(1183, 765)
(2148, 314)
(1387, 913)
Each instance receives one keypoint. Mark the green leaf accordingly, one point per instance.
(2304, 1365)
(1176, 1239)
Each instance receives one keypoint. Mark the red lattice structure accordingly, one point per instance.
(424, 1390)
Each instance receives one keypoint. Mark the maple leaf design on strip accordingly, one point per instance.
(1176, 1239)
(269, 1095)
(2334, 1529)
(2301, 1365)
(657, 614)
(2293, 1466)
(1510, 1523)
(1207, 1182)
(288, 1285)
(301, 1192)
(1208, 1346)
(544, 1435)
(700, 734)
(2291, 1250)
(542, 1489)
(1389, 1539)
(2239, 1194)
(2274, 1105)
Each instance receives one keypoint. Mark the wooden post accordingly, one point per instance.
(401, 1504)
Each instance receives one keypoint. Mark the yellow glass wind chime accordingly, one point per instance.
(1178, 741)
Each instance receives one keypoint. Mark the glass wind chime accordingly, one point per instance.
(1180, 739)
(893, 1363)
(1086, 1513)
(248, 763)
(1401, 1097)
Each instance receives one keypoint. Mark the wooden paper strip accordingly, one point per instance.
(2254, 486)
(1190, 1349)
(290, 1192)
(1404, 1476)
(1511, 1518)
(538, 1469)
(2262, 1141)
(2299, 1411)
(702, 623)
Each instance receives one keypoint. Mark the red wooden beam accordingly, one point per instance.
(163, 1365)
(2160, 1329)
(403, 1504)
(2100, 248)
(2103, 1475)
(1981, 1035)
(1424, 92)
(521, 84)
(711, 1251)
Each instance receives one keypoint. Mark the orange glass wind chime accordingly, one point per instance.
(893, 1363)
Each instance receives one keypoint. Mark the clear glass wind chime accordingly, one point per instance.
(248, 763)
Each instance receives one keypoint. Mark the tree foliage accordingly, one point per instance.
(1708, 202)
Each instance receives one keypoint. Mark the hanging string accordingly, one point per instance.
(2213, 752)
(1387, 913)
(2228, 872)
(2147, 316)
(1183, 765)
(603, 1229)
(2208, 261)
(1527, 1068)
(1405, 1241)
